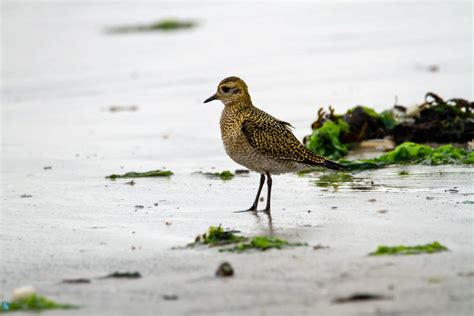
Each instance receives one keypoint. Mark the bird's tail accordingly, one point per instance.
(333, 165)
(316, 160)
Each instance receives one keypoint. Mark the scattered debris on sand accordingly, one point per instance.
(319, 247)
(77, 281)
(123, 108)
(123, 275)
(166, 25)
(241, 171)
(132, 174)
(360, 297)
(383, 250)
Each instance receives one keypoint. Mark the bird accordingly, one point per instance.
(259, 141)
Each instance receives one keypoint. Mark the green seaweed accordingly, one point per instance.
(218, 236)
(304, 172)
(35, 303)
(334, 134)
(163, 25)
(404, 173)
(412, 153)
(468, 202)
(333, 179)
(224, 175)
(369, 111)
(436, 120)
(383, 250)
(326, 140)
(262, 243)
(388, 120)
(153, 173)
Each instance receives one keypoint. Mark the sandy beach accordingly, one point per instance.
(61, 73)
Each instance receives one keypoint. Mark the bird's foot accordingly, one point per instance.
(252, 209)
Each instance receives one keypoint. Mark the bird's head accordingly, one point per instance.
(231, 90)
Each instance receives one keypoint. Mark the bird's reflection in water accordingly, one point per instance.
(262, 217)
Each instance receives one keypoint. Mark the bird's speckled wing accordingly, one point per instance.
(273, 137)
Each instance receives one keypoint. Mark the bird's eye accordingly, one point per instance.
(225, 89)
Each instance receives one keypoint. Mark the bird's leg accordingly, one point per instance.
(269, 193)
(253, 208)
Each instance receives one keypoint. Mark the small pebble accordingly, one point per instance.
(170, 297)
(242, 171)
(225, 270)
(451, 191)
(319, 246)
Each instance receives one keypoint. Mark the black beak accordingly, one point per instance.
(211, 98)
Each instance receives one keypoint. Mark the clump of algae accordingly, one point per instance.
(383, 250)
(333, 134)
(412, 153)
(435, 120)
(326, 139)
(34, 302)
(224, 175)
(262, 243)
(132, 174)
(218, 236)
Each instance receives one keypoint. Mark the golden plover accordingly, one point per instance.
(259, 141)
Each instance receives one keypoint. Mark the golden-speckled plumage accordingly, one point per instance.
(259, 141)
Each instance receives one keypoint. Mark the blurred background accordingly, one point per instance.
(62, 69)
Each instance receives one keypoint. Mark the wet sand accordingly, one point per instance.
(79, 224)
